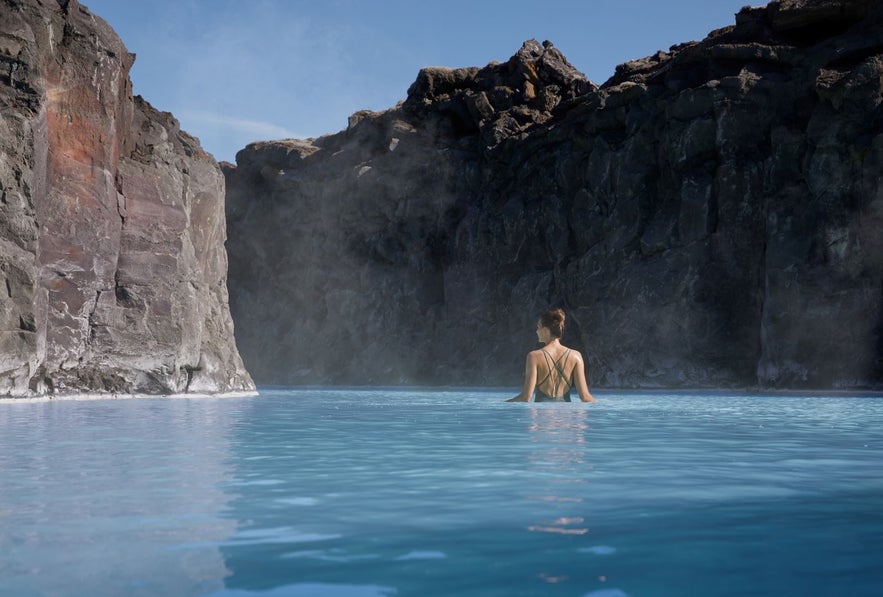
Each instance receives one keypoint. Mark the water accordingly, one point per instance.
(396, 492)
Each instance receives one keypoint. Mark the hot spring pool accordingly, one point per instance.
(403, 492)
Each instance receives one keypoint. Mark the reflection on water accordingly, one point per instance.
(114, 497)
(558, 438)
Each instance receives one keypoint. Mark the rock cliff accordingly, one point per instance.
(711, 216)
(112, 226)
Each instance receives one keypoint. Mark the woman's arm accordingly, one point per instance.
(581, 386)
(530, 380)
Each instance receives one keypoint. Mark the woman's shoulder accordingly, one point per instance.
(574, 354)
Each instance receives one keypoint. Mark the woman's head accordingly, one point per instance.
(553, 320)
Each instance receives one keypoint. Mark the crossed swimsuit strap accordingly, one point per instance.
(557, 367)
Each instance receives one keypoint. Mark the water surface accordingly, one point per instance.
(405, 492)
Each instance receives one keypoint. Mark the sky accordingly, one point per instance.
(237, 71)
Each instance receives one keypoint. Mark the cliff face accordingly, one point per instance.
(710, 216)
(112, 226)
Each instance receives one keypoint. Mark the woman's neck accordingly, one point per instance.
(552, 343)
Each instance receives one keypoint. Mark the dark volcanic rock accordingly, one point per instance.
(111, 223)
(709, 217)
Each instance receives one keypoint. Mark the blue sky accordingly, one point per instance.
(236, 71)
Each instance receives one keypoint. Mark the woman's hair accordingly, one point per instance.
(554, 320)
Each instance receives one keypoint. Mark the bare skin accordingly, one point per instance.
(536, 367)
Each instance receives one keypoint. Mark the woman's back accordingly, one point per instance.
(555, 376)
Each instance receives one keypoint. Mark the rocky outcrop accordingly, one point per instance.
(711, 216)
(112, 226)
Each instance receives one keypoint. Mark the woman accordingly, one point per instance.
(554, 369)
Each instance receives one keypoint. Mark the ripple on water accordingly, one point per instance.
(265, 536)
(311, 590)
(600, 550)
(328, 555)
(422, 555)
(298, 501)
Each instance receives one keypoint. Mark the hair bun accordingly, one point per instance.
(554, 320)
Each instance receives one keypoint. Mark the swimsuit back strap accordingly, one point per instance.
(549, 364)
(559, 368)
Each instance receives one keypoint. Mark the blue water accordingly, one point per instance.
(369, 493)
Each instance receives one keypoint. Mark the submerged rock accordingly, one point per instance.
(711, 216)
(112, 226)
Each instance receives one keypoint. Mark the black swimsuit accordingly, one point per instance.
(540, 395)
